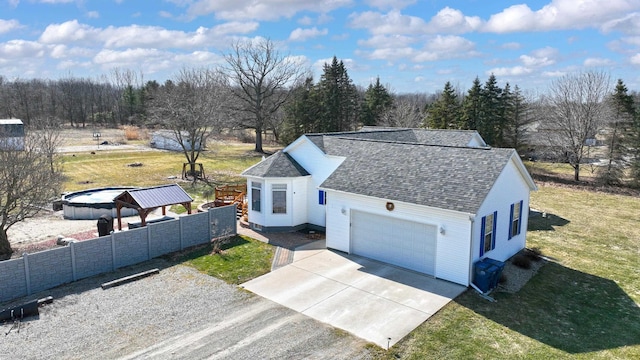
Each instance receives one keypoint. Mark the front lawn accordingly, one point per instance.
(241, 260)
(581, 305)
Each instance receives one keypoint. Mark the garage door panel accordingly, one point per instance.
(400, 242)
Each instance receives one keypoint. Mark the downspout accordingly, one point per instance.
(472, 220)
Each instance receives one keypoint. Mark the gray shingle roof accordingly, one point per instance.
(279, 164)
(153, 197)
(420, 136)
(455, 178)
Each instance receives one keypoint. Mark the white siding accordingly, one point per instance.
(320, 166)
(510, 188)
(255, 216)
(296, 202)
(452, 247)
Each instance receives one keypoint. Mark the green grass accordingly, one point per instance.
(241, 260)
(222, 165)
(582, 305)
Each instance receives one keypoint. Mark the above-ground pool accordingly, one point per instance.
(93, 203)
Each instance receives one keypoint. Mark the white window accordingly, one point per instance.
(279, 196)
(516, 219)
(256, 188)
(488, 233)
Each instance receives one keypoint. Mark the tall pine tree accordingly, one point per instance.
(445, 112)
(377, 101)
(621, 104)
(471, 107)
(338, 99)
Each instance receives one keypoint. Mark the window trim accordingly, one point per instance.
(515, 230)
(257, 186)
(483, 234)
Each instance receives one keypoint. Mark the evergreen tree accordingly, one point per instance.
(471, 107)
(301, 112)
(518, 117)
(490, 111)
(377, 101)
(621, 123)
(338, 99)
(503, 121)
(445, 112)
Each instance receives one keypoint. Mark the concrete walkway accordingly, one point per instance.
(372, 300)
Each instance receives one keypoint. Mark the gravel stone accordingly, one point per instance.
(179, 313)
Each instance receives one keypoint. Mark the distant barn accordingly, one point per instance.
(166, 140)
(11, 134)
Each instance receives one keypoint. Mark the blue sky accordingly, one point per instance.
(412, 45)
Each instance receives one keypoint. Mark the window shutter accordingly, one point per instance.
(321, 197)
(520, 219)
(511, 222)
(484, 222)
(493, 234)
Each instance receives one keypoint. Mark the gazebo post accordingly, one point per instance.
(118, 208)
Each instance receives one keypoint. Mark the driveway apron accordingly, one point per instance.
(375, 301)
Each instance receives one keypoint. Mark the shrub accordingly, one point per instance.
(533, 254)
(131, 133)
(522, 261)
(503, 279)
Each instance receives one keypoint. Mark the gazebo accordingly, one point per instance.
(145, 200)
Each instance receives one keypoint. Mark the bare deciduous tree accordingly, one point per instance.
(575, 109)
(27, 184)
(407, 111)
(190, 106)
(261, 77)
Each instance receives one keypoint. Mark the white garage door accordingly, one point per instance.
(399, 242)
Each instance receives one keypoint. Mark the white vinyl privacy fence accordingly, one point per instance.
(47, 269)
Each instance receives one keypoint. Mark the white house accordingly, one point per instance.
(434, 201)
(11, 134)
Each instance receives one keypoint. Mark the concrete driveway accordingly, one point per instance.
(375, 301)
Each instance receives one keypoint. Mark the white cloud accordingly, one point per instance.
(597, 62)
(559, 14)
(141, 36)
(93, 14)
(8, 25)
(509, 71)
(435, 48)
(300, 34)
(18, 49)
(305, 20)
(391, 23)
(511, 46)
(635, 59)
(65, 52)
(70, 31)
(390, 4)
(540, 57)
(387, 41)
(554, 74)
(453, 21)
(629, 24)
(261, 10)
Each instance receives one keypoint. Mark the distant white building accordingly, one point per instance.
(166, 140)
(11, 134)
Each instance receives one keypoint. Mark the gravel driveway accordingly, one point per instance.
(177, 314)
